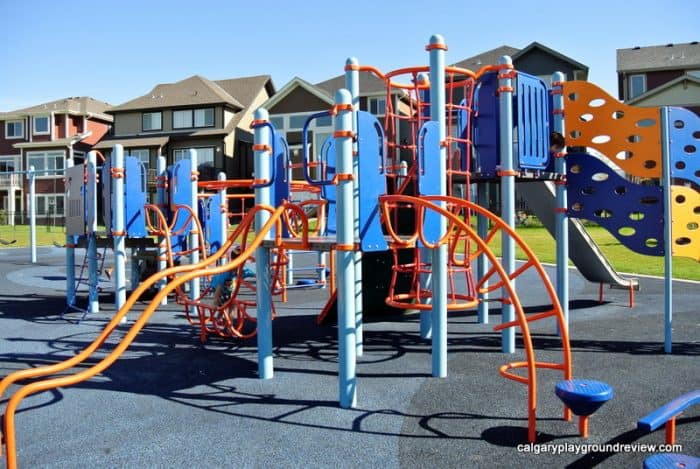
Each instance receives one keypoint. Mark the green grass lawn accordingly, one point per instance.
(536, 237)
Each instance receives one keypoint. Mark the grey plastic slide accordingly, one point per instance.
(583, 251)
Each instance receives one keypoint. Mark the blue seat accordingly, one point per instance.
(583, 396)
(671, 461)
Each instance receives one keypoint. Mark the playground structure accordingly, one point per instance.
(362, 176)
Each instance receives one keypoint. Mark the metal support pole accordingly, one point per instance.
(194, 230)
(505, 103)
(668, 235)
(118, 204)
(70, 255)
(352, 83)
(561, 232)
(482, 263)
(162, 202)
(437, 49)
(91, 204)
(425, 279)
(32, 213)
(223, 213)
(263, 172)
(345, 265)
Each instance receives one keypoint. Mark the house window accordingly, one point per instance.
(41, 125)
(49, 205)
(143, 154)
(205, 155)
(204, 117)
(637, 85)
(9, 164)
(46, 163)
(377, 106)
(152, 121)
(277, 122)
(182, 119)
(324, 121)
(297, 122)
(14, 129)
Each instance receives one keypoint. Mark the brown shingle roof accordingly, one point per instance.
(80, 105)
(192, 91)
(369, 84)
(671, 56)
(489, 57)
(247, 88)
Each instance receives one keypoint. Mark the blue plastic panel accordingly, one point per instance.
(180, 193)
(90, 196)
(211, 221)
(75, 201)
(134, 197)
(280, 187)
(328, 192)
(372, 180)
(532, 117)
(684, 132)
(633, 213)
(486, 138)
(106, 179)
(429, 175)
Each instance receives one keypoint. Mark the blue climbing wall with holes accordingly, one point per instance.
(633, 213)
(371, 181)
(531, 115)
(684, 133)
(486, 139)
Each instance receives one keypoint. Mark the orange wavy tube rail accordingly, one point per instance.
(189, 272)
(455, 222)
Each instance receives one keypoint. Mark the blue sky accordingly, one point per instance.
(116, 51)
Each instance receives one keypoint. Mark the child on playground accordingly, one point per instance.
(221, 283)
(556, 142)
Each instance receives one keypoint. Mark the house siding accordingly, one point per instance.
(299, 100)
(538, 62)
(656, 79)
(98, 129)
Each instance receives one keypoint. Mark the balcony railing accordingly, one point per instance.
(8, 181)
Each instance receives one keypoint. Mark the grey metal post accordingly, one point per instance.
(562, 220)
(505, 103)
(352, 83)
(437, 50)
(32, 213)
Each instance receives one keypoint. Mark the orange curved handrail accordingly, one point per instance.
(430, 202)
(189, 272)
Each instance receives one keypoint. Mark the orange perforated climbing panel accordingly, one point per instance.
(685, 229)
(629, 136)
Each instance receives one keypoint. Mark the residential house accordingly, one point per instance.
(665, 75)
(46, 137)
(535, 59)
(212, 117)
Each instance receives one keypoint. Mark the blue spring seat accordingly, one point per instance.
(583, 396)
